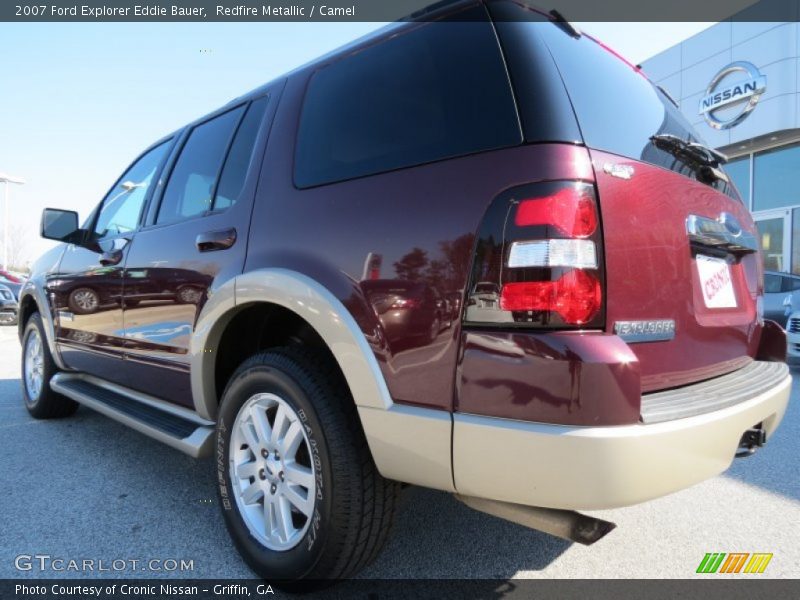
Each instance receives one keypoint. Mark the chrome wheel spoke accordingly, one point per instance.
(279, 425)
(250, 437)
(291, 441)
(247, 470)
(304, 504)
(283, 518)
(299, 475)
(261, 424)
(252, 493)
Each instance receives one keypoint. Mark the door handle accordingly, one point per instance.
(110, 258)
(216, 240)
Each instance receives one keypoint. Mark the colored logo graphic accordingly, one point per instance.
(734, 562)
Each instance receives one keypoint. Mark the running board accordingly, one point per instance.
(175, 426)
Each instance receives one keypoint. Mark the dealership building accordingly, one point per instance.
(737, 83)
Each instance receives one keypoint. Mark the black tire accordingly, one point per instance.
(354, 506)
(47, 404)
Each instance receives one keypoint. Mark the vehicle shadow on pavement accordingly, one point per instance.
(774, 467)
(436, 536)
(118, 493)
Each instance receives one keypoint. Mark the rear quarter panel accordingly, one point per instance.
(420, 220)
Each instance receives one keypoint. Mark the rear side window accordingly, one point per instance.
(436, 91)
(237, 164)
(190, 189)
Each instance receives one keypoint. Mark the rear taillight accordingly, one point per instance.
(405, 303)
(540, 250)
(571, 210)
(576, 296)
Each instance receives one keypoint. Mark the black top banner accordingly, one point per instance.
(385, 10)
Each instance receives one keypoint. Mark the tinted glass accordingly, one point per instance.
(437, 91)
(775, 178)
(796, 241)
(618, 109)
(790, 284)
(772, 283)
(739, 172)
(191, 184)
(122, 206)
(238, 161)
(771, 233)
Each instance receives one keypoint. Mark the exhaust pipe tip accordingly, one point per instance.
(566, 524)
(587, 530)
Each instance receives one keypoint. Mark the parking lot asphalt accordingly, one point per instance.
(89, 488)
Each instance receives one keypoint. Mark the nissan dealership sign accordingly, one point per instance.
(732, 94)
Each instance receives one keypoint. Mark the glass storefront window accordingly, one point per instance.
(796, 241)
(771, 232)
(739, 172)
(775, 178)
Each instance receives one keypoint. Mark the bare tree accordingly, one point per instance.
(18, 249)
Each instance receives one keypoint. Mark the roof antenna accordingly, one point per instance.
(568, 27)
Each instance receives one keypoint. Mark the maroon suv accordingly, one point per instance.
(475, 251)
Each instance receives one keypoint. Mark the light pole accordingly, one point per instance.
(8, 180)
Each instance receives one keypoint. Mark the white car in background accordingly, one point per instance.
(793, 338)
(781, 296)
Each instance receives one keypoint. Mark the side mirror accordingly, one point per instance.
(59, 225)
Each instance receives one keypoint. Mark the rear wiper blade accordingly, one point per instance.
(706, 159)
(693, 151)
(717, 156)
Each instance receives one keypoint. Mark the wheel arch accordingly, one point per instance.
(32, 299)
(423, 458)
(309, 302)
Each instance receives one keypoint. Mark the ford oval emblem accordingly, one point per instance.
(731, 223)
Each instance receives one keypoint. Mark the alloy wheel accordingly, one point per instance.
(34, 365)
(271, 471)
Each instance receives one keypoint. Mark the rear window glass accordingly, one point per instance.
(618, 109)
(438, 90)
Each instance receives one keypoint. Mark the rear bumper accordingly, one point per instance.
(588, 468)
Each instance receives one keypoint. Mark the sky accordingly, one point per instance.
(79, 101)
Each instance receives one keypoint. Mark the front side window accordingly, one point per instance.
(122, 207)
(190, 189)
(437, 91)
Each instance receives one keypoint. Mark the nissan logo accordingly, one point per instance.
(718, 105)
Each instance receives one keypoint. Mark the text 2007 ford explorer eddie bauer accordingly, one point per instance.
(476, 252)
